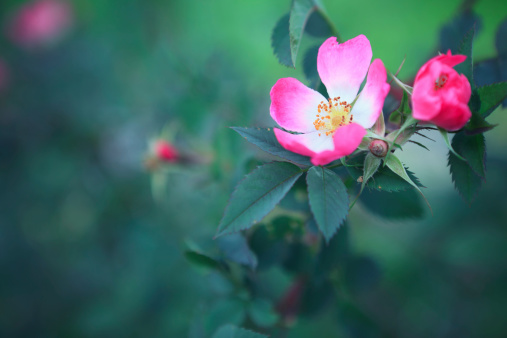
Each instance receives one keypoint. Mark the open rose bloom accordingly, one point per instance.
(40, 22)
(331, 128)
(440, 94)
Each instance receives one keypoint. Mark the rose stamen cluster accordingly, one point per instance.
(332, 115)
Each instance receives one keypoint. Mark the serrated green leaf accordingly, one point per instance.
(397, 167)
(473, 149)
(299, 15)
(478, 125)
(384, 179)
(465, 48)
(280, 41)
(265, 139)
(200, 260)
(465, 180)
(394, 205)
(445, 136)
(310, 66)
(262, 313)
(329, 200)
(231, 331)
(256, 195)
(491, 97)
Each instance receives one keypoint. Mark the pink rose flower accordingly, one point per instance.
(166, 151)
(40, 22)
(440, 94)
(331, 128)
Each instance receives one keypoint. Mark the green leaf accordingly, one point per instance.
(473, 149)
(465, 180)
(235, 248)
(397, 167)
(310, 66)
(371, 165)
(256, 195)
(329, 200)
(465, 48)
(395, 205)
(231, 331)
(445, 135)
(262, 313)
(478, 125)
(299, 15)
(280, 41)
(379, 127)
(200, 260)
(318, 26)
(265, 139)
(384, 179)
(419, 144)
(491, 97)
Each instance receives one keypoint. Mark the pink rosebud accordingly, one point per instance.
(440, 94)
(40, 22)
(166, 151)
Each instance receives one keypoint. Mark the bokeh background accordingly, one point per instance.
(91, 241)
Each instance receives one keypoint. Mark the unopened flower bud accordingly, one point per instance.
(378, 148)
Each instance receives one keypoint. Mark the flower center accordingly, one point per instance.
(332, 115)
(441, 81)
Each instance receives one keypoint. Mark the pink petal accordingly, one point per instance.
(453, 116)
(294, 106)
(343, 66)
(446, 59)
(323, 150)
(368, 106)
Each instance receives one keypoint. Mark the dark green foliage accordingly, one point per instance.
(473, 149)
(394, 205)
(256, 195)
(265, 139)
(318, 26)
(280, 41)
(235, 248)
(384, 179)
(465, 48)
(201, 260)
(299, 14)
(310, 66)
(465, 179)
(491, 96)
(231, 331)
(329, 200)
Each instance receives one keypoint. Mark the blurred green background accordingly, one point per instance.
(86, 250)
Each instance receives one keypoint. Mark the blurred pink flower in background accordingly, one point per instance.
(40, 22)
(166, 151)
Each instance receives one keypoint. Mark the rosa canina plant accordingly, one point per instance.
(332, 143)
(339, 131)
